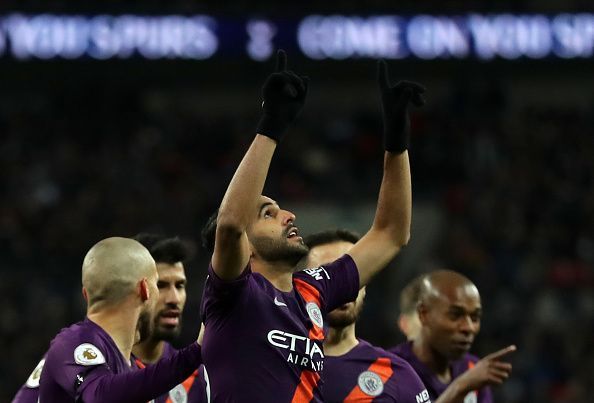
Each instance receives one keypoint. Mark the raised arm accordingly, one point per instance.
(284, 95)
(390, 230)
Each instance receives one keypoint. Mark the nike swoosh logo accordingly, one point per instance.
(278, 303)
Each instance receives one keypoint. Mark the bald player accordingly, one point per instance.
(408, 320)
(449, 310)
(264, 322)
(354, 370)
(90, 361)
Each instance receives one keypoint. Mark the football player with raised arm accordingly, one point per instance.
(264, 322)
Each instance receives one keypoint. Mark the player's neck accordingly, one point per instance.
(340, 340)
(149, 351)
(279, 274)
(117, 323)
(437, 363)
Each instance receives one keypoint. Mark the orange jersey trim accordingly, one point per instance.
(471, 365)
(383, 367)
(187, 384)
(310, 294)
(308, 381)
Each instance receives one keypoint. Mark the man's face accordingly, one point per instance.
(171, 302)
(451, 320)
(319, 255)
(273, 236)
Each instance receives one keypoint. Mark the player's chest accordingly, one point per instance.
(289, 328)
(285, 311)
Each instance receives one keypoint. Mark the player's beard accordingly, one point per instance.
(340, 318)
(144, 326)
(165, 333)
(279, 250)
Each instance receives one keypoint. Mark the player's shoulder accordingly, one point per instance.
(377, 354)
(366, 348)
(84, 342)
(402, 350)
(85, 330)
(397, 377)
(311, 274)
(396, 360)
(246, 278)
(326, 271)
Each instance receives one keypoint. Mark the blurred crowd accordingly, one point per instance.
(269, 6)
(515, 185)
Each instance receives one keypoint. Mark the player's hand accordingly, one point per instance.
(488, 371)
(284, 95)
(395, 101)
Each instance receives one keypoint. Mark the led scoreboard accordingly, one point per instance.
(318, 37)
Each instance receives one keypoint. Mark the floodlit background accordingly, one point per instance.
(132, 116)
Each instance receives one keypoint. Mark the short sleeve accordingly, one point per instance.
(337, 282)
(220, 294)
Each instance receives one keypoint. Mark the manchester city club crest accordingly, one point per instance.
(315, 314)
(370, 383)
(178, 394)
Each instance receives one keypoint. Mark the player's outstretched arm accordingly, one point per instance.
(145, 384)
(284, 95)
(488, 371)
(391, 226)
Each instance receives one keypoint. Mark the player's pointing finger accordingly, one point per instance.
(382, 74)
(504, 351)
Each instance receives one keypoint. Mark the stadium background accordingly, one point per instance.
(502, 159)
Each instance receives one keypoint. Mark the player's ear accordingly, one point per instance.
(423, 312)
(403, 324)
(143, 289)
(85, 295)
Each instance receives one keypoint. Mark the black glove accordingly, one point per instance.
(284, 95)
(395, 102)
